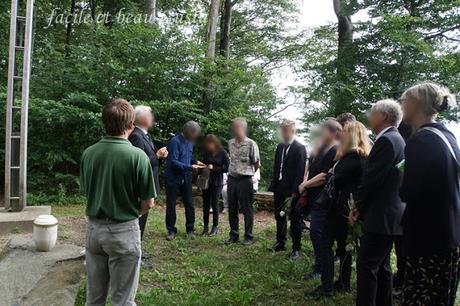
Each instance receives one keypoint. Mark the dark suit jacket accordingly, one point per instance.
(378, 197)
(293, 168)
(140, 140)
(431, 190)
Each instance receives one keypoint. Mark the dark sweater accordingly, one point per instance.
(220, 163)
(430, 189)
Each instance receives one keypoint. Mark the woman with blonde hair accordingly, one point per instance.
(345, 178)
(430, 188)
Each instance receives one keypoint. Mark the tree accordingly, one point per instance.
(150, 10)
(226, 22)
(213, 19)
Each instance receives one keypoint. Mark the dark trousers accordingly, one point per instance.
(432, 280)
(142, 222)
(281, 221)
(296, 218)
(185, 189)
(335, 229)
(211, 199)
(398, 279)
(240, 191)
(374, 270)
(318, 218)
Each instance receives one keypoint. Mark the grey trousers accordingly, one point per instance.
(113, 256)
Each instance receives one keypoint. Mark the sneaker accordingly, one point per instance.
(146, 265)
(171, 236)
(294, 255)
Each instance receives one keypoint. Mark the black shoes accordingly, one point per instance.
(318, 293)
(247, 242)
(294, 255)
(171, 236)
(205, 231)
(341, 287)
(214, 231)
(231, 241)
(278, 247)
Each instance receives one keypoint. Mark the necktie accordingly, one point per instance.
(283, 157)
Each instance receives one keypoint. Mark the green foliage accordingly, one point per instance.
(402, 43)
(161, 66)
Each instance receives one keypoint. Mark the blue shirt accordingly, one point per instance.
(180, 159)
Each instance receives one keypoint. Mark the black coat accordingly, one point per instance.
(321, 163)
(379, 202)
(293, 168)
(139, 139)
(220, 163)
(431, 190)
(348, 174)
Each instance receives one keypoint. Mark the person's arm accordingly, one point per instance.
(301, 157)
(377, 168)
(221, 167)
(137, 141)
(145, 184)
(254, 155)
(173, 157)
(316, 181)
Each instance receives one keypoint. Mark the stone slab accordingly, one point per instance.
(24, 272)
(21, 221)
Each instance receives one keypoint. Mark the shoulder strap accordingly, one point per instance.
(445, 140)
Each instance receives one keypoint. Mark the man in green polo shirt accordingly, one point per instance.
(117, 180)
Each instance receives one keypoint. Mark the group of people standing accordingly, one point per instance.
(405, 192)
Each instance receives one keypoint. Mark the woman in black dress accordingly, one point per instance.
(346, 175)
(430, 188)
(217, 160)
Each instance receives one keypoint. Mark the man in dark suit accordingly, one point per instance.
(379, 206)
(288, 173)
(141, 138)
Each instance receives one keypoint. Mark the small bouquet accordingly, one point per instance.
(356, 230)
(285, 210)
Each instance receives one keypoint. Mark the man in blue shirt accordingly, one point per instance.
(178, 178)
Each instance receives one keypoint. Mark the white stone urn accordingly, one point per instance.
(45, 232)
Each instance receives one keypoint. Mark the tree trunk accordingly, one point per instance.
(342, 98)
(212, 28)
(150, 10)
(70, 25)
(226, 29)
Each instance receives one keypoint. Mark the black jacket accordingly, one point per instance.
(430, 189)
(348, 174)
(220, 164)
(379, 201)
(139, 139)
(293, 168)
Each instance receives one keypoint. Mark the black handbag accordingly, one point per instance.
(325, 198)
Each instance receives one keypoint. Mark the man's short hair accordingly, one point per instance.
(332, 125)
(141, 110)
(117, 117)
(345, 118)
(288, 123)
(240, 120)
(391, 108)
(191, 128)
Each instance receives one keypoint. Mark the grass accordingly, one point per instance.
(207, 272)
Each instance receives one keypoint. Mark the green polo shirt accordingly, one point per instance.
(115, 176)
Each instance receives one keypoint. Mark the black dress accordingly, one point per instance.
(432, 218)
(347, 177)
(220, 163)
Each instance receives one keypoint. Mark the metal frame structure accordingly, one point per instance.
(17, 104)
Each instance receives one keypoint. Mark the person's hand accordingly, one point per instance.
(196, 167)
(210, 167)
(162, 153)
(257, 165)
(146, 206)
(200, 163)
(353, 216)
(321, 178)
